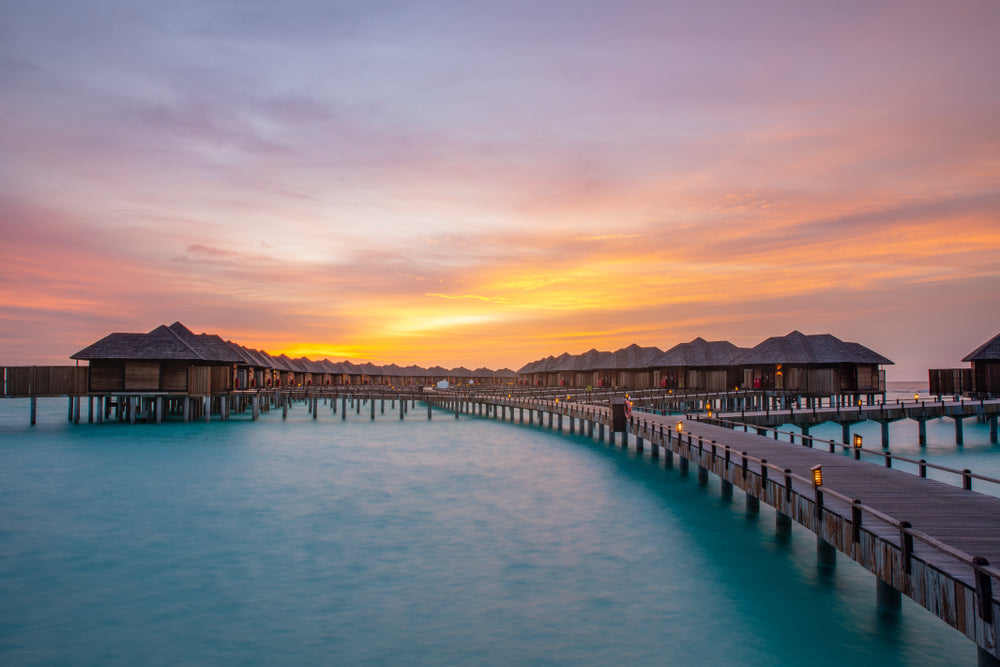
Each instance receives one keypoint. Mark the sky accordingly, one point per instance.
(470, 183)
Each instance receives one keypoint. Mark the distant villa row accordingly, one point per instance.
(174, 359)
(819, 364)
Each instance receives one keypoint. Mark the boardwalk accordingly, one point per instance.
(931, 541)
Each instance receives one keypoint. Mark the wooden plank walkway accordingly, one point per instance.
(917, 535)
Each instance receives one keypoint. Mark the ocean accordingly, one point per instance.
(442, 542)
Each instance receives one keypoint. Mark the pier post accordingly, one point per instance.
(782, 525)
(90, 409)
(922, 432)
(373, 410)
(428, 410)
(727, 489)
(888, 601)
(401, 404)
(559, 423)
(826, 554)
(753, 504)
(255, 407)
(683, 466)
(208, 408)
(993, 429)
(959, 431)
(159, 409)
(600, 431)
(69, 410)
(846, 433)
(702, 476)
(100, 409)
(33, 410)
(284, 406)
(885, 434)
(76, 409)
(343, 407)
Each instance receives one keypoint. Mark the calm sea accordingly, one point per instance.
(451, 542)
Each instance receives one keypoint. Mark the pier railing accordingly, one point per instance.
(857, 449)
(28, 381)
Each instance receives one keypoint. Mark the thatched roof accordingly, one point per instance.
(175, 342)
(635, 357)
(798, 348)
(700, 353)
(988, 351)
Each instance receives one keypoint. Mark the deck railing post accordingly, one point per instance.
(984, 590)
(906, 546)
(967, 479)
(856, 521)
(788, 485)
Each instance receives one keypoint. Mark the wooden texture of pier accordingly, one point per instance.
(926, 539)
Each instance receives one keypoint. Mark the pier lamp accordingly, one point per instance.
(817, 472)
(710, 413)
(857, 445)
(916, 397)
(680, 426)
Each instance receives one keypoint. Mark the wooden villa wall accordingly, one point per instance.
(107, 375)
(986, 376)
(142, 375)
(173, 375)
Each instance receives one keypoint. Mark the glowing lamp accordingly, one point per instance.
(680, 426)
(857, 441)
(817, 471)
(710, 413)
(916, 397)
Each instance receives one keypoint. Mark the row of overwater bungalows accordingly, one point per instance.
(817, 365)
(174, 359)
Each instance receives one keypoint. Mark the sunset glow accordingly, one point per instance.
(445, 183)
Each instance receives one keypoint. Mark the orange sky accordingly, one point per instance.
(460, 185)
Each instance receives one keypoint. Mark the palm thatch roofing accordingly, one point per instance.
(988, 351)
(177, 342)
(799, 348)
(700, 353)
(794, 348)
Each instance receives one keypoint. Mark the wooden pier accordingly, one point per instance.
(931, 541)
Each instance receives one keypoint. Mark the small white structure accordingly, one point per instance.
(443, 384)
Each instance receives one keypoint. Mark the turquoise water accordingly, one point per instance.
(441, 542)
